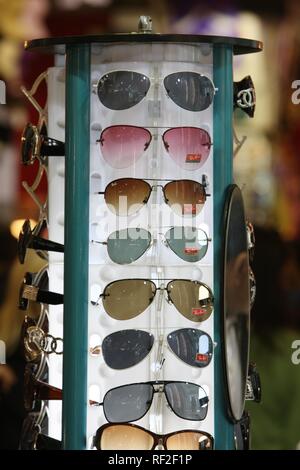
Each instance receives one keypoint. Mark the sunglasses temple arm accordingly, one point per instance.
(98, 243)
(48, 297)
(38, 243)
(46, 391)
(95, 403)
(203, 401)
(93, 302)
(52, 148)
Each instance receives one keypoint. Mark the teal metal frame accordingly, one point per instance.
(76, 260)
(223, 176)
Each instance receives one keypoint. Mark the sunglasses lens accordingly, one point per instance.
(188, 401)
(189, 147)
(189, 243)
(122, 89)
(128, 245)
(127, 403)
(125, 437)
(125, 299)
(192, 299)
(190, 90)
(28, 144)
(185, 196)
(127, 196)
(189, 440)
(126, 348)
(194, 347)
(122, 146)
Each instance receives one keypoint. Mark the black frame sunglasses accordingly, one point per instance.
(30, 292)
(29, 239)
(119, 402)
(36, 144)
(207, 443)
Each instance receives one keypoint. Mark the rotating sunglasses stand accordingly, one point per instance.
(78, 214)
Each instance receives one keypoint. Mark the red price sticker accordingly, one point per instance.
(191, 251)
(193, 158)
(189, 209)
(198, 312)
(202, 357)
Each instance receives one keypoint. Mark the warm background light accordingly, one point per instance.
(16, 225)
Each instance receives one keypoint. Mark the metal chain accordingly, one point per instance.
(50, 344)
(44, 342)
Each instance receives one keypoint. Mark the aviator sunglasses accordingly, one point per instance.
(128, 245)
(127, 348)
(125, 299)
(123, 145)
(122, 89)
(131, 402)
(126, 196)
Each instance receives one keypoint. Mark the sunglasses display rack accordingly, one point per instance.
(138, 204)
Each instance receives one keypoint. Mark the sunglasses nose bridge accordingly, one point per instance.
(158, 388)
(155, 186)
(160, 444)
(164, 239)
(161, 290)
